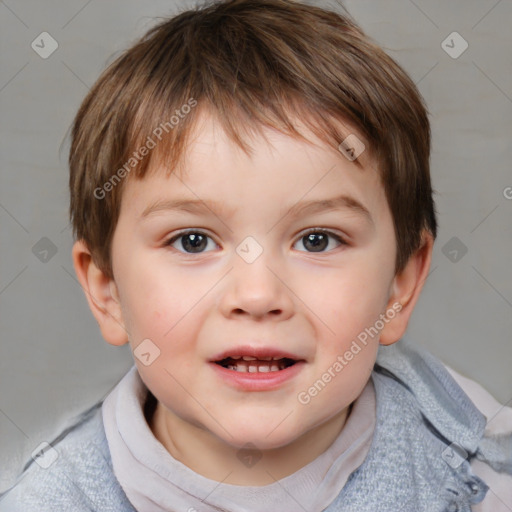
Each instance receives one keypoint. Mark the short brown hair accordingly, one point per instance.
(251, 63)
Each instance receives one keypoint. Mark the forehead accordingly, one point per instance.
(280, 169)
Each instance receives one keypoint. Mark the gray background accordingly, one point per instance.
(53, 361)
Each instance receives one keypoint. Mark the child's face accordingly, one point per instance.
(200, 300)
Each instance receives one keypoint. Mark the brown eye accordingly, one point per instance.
(316, 242)
(319, 241)
(192, 242)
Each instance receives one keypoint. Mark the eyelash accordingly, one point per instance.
(181, 234)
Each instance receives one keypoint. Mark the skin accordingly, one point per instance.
(193, 306)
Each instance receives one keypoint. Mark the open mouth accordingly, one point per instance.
(250, 364)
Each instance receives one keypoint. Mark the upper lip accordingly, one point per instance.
(257, 352)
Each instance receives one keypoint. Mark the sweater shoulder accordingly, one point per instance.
(74, 472)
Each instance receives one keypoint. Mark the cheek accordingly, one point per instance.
(165, 310)
(149, 311)
(155, 301)
(347, 300)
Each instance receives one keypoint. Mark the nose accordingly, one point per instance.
(256, 290)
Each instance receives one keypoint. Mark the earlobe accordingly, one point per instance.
(405, 290)
(102, 295)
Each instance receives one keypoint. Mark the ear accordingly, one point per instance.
(405, 289)
(102, 295)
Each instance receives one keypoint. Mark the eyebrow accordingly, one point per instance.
(198, 206)
(342, 202)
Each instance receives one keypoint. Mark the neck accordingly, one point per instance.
(214, 459)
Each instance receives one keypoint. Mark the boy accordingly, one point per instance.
(251, 198)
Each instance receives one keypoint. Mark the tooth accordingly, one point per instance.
(256, 367)
(249, 358)
(265, 358)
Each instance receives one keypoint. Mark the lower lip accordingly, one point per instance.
(258, 381)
